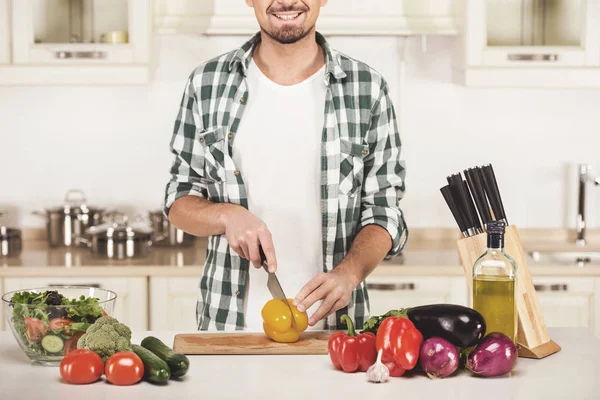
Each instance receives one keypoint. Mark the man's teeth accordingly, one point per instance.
(287, 17)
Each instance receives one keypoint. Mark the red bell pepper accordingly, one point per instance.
(401, 343)
(351, 352)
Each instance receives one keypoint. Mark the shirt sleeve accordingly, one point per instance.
(187, 169)
(383, 185)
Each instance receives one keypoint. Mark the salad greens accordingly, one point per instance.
(36, 315)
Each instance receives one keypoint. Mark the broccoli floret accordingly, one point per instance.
(106, 337)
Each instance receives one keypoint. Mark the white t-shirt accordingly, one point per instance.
(277, 149)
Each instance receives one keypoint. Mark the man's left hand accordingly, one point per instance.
(334, 288)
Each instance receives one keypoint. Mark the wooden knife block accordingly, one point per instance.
(533, 340)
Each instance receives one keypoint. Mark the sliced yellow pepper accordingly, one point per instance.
(277, 321)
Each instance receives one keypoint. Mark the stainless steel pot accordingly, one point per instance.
(118, 239)
(10, 242)
(166, 234)
(71, 220)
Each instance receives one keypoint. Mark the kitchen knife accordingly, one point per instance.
(493, 193)
(477, 190)
(274, 286)
(462, 225)
(463, 203)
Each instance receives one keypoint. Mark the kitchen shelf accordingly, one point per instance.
(529, 43)
(55, 42)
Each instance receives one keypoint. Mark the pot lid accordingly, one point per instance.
(120, 227)
(75, 203)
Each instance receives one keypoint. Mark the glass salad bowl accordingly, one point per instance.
(47, 322)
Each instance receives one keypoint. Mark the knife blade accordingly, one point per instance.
(274, 286)
(493, 193)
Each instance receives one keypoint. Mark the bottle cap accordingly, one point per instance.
(496, 227)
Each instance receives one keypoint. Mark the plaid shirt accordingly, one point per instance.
(362, 175)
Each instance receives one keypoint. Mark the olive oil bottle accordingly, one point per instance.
(495, 284)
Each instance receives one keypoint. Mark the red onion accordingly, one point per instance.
(439, 358)
(496, 355)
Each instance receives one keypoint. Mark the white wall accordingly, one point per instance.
(112, 142)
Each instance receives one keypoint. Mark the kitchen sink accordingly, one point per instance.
(576, 258)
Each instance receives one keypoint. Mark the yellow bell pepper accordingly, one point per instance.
(277, 321)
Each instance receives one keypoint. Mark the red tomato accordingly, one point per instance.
(71, 344)
(124, 368)
(81, 366)
(35, 329)
(58, 323)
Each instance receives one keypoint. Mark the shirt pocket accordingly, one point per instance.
(212, 142)
(352, 166)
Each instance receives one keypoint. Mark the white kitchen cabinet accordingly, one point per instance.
(132, 294)
(530, 43)
(4, 33)
(173, 303)
(569, 302)
(393, 292)
(79, 42)
(338, 17)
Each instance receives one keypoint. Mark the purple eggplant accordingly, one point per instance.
(496, 355)
(439, 358)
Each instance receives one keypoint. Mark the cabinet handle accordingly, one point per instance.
(94, 285)
(80, 54)
(563, 287)
(533, 57)
(388, 287)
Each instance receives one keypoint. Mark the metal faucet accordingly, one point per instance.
(584, 177)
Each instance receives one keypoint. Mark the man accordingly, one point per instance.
(287, 144)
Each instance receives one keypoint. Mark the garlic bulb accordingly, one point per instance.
(378, 372)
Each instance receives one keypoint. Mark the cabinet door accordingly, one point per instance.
(392, 293)
(173, 303)
(566, 302)
(59, 32)
(132, 294)
(4, 33)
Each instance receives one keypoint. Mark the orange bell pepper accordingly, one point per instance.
(277, 321)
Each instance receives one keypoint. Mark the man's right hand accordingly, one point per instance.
(245, 232)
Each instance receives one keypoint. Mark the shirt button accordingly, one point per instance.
(236, 172)
(238, 293)
(201, 140)
(365, 152)
(230, 136)
(242, 100)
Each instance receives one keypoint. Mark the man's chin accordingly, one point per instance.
(288, 36)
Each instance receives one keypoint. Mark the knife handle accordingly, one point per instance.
(493, 193)
(476, 187)
(263, 258)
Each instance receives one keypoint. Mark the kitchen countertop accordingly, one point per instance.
(429, 252)
(568, 374)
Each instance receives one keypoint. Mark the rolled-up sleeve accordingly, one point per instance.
(383, 185)
(187, 169)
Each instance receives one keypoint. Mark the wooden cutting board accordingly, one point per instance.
(312, 342)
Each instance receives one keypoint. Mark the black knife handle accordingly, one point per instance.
(463, 203)
(471, 205)
(492, 192)
(447, 194)
(478, 192)
(263, 258)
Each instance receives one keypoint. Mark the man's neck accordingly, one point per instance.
(289, 64)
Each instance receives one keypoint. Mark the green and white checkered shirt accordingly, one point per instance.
(362, 177)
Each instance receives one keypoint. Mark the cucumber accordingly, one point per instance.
(178, 363)
(155, 370)
(52, 344)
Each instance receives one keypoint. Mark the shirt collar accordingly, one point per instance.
(333, 68)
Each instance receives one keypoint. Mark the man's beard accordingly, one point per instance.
(288, 35)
